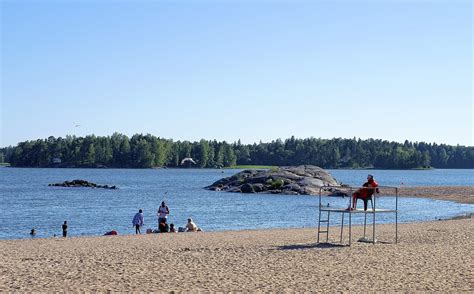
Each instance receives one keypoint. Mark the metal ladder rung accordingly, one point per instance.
(326, 221)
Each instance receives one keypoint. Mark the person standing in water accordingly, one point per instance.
(64, 227)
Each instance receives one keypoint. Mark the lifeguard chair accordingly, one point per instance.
(324, 222)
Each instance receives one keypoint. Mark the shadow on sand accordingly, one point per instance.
(310, 246)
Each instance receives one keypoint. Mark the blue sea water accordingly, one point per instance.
(26, 201)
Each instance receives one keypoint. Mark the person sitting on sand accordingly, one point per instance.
(365, 193)
(138, 221)
(163, 226)
(191, 226)
(172, 228)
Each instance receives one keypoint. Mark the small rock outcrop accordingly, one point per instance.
(82, 183)
(303, 179)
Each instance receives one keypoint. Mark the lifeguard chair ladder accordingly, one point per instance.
(327, 226)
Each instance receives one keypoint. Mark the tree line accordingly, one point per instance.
(146, 151)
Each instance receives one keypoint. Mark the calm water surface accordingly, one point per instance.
(26, 201)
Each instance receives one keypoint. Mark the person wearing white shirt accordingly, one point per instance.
(163, 212)
(191, 226)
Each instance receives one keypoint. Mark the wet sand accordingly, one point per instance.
(461, 194)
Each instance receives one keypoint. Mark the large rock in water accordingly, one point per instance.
(303, 179)
(82, 183)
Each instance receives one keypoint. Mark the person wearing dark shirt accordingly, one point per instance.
(163, 227)
(64, 229)
(172, 228)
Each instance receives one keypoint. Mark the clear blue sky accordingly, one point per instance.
(229, 70)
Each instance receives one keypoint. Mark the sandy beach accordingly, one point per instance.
(430, 256)
(461, 194)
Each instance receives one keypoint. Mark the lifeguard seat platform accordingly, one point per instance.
(347, 191)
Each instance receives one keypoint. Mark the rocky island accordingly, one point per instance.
(303, 179)
(82, 183)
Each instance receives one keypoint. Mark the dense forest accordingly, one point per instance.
(146, 151)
